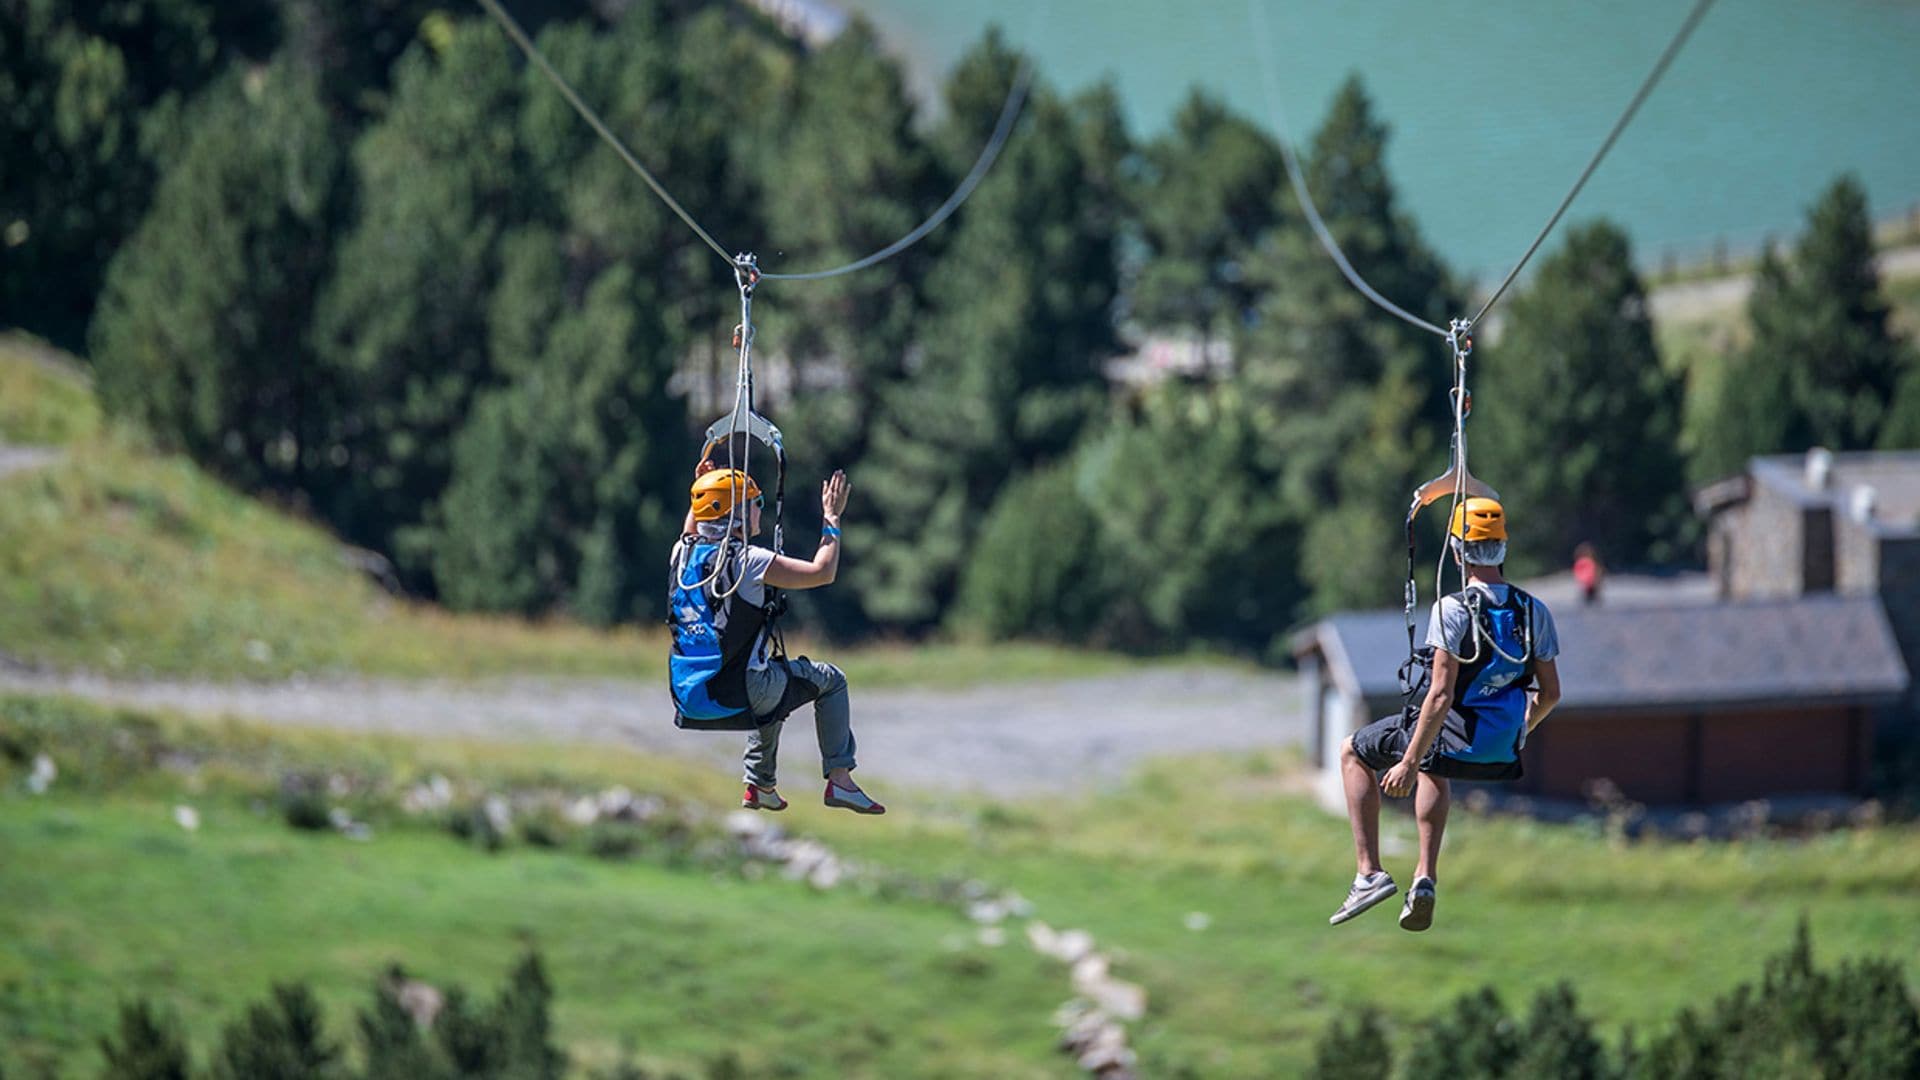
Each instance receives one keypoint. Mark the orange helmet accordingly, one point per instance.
(1479, 518)
(714, 493)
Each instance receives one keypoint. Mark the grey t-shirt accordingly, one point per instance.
(1450, 624)
(751, 571)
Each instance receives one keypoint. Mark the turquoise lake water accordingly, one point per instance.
(1496, 104)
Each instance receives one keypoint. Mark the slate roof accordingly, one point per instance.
(1811, 650)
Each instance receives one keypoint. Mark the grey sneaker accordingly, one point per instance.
(1363, 895)
(851, 799)
(1417, 915)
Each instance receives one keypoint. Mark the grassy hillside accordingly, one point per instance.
(688, 957)
(119, 559)
(1697, 348)
(45, 399)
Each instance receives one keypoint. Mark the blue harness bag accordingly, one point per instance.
(712, 642)
(1491, 694)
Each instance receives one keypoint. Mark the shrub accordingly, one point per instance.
(394, 1046)
(471, 823)
(283, 1037)
(1856, 1021)
(467, 1037)
(95, 747)
(303, 802)
(1474, 1038)
(1558, 1043)
(523, 1017)
(147, 1046)
(1036, 568)
(614, 840)
(544, 829)
(1354, 1051)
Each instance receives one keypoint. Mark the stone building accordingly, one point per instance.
(1819, 523)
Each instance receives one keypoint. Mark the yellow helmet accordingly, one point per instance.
(1479, 518)
(714, 492)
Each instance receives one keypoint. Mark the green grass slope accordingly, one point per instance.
(117, 559)
(688, 960)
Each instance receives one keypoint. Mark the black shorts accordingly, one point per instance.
(1383, 743)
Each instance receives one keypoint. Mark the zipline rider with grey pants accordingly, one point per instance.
(728, 669)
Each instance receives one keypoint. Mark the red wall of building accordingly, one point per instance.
(1645, 755)
(1667, 758)
(1750, 755)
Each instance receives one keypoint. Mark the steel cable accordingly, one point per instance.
(1640, 96)
(1003, 128)
(1263, 46)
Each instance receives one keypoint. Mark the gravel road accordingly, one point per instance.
(1006, 739)
(1713, 296)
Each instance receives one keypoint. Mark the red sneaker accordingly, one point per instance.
(762, 799)
(851, 799)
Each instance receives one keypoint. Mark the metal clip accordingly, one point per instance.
(1460, 336)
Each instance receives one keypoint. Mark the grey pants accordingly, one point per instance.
(803, 680)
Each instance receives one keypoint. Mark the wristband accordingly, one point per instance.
(830, 532)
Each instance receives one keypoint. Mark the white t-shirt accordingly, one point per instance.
(1450, 623)
(751, 570)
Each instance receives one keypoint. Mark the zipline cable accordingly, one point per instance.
(1264, 50)
(539, 60)
(1016, 100)
(1640, 96)
(1262, 41)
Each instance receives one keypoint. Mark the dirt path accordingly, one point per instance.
(15, 459)
(1013, 738)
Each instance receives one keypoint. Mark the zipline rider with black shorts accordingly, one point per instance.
(1492, 651)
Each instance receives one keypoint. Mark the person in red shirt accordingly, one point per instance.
(1587, 572)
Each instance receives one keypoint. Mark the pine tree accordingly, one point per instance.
(93, 96)
(1209, 196)
(394, 1046)
(1825, 363)
(283, 1037)
(200, 333)
(523, 1015)
(1038, 568)
(149, 1045)
(1558, 1043)
(564, 479)
(403, 320)
(1753, 408)
(1902, 429)
(852, 175)
(1856, 1021)
(1854, 361)
(1358, 1050)
(1353, 548)
(1191, 528)
(1578, 422)
(1352, 403)
(1315, 336)
(1021, 318)
(469, 1038)
(1474, 1038)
